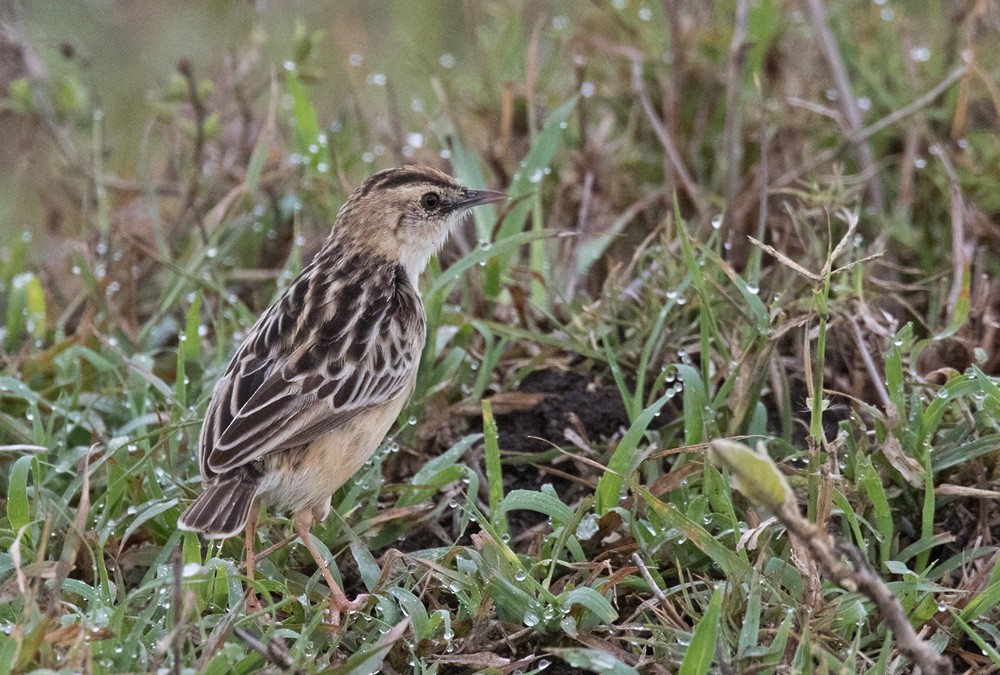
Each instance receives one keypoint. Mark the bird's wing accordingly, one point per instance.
(329, 371)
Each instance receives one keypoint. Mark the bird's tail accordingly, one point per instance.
(222, 509)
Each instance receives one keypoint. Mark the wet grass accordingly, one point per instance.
(698, 248)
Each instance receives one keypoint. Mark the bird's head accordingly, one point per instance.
(405, 214)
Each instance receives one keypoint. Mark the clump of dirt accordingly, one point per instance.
(567, 400)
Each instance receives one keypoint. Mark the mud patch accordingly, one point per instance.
(569, 400)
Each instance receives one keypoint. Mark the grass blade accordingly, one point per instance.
(623, 460)
(494, 471)
(701, 652)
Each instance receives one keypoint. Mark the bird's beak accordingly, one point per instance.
(472, 198)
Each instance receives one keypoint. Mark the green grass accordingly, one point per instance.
(611, 544)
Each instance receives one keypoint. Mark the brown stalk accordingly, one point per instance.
(911, 139)
(959, 256)
(861, 578)
(866, 357)
(274, 650)
(673, 156)
(732, 141)
(852, 114)
(919, 103)
(186, 70)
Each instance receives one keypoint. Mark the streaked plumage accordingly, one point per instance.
(323, 374)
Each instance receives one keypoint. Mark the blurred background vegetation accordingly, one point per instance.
(771, 220)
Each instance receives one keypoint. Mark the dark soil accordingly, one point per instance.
(572, 401)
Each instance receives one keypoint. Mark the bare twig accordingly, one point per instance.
(274, 650)
(186, 70)
(852, 114)
(676, 162)
(866, 356)
(269, 550)
(911, 139)
(861, 578)
(653, 586)
(821, 158)
(959, 254)
(758, 478)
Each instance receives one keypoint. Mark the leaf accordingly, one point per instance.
(526, 180)
(753, 304)
(734, 567)
(894, 369)
(18, 507)
(597, 660)
(530, 500)
(437, 472)
(257, 160)
(367, 567)
(985, 601)
(146, 514)
(304, 117)
(623, 460)
(869, 479)
(413, 608)
(986, 648)
(701, 652)
(494, 472)
(191, 345)
(35, 306)
(369, 659)
(501, 248)
(750, 630)
(695, 400)
(753, 473)
(592, 600)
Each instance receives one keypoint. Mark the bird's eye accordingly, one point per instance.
(430, 200)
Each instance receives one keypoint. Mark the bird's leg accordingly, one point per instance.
(303, 522)
(250, 532)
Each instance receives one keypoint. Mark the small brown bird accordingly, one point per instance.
(323, 374)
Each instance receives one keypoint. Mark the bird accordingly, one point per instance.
(322, 375)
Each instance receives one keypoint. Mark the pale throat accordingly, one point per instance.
(416, 253)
